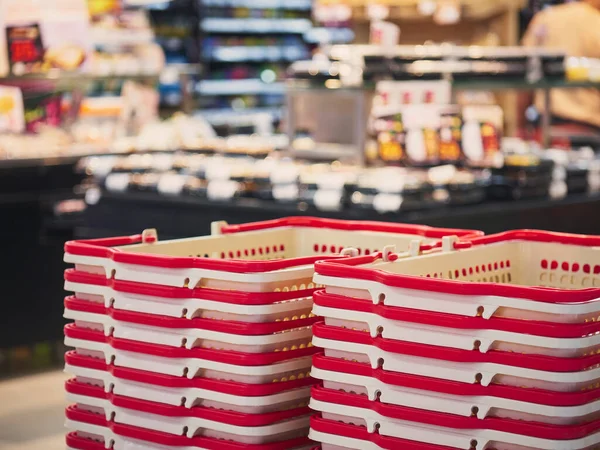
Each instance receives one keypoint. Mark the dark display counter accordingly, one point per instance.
(31, 265)
(129, 213)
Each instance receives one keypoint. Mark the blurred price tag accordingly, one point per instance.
(171, 184)
(222, 189)
(387, 203)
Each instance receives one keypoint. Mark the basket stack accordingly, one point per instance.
(204, 342)
(487, 344)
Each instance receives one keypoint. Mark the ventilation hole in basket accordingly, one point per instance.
(183, 342)
(503, 278)
(376, 427)
(489, 267)
(112, 359)
(483, 268)
(509, 277)
(476, 269)
(476, 344)
(456, 274)
(464, 272)
(575, 267)
(186, 282)
(478, 378)
(474, 411)
(253, 251)
(473, 444)
(554, 265)
(323, 248)
(182, 401)
(484, 279)
(502, 264)
(552, 278)
(449, 275)
(543, 277)
(238, 254)
(111, 302)
(564, 266)
(596, 270)
(316, 248)
(497, 279)
(282, 248)
(381, 297)
(185, 371)
(367, 251)
(564, 279)
(380, 363)
(470, 271)
(586, 268)
(310, 286)
(185, 430)
(480, 311)
(184, 312)
(495, 266)
(379, 330)
(596, 282)
(113, 273)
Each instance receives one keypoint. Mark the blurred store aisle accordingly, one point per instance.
(32, 412)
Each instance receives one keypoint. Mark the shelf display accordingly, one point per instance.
(247, 49)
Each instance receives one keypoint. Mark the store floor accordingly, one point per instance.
(32, 412)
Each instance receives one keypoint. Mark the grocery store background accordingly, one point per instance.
(120, 115)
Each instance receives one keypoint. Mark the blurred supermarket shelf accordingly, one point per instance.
(238, 87)
(226, 116)
(303, 5)
(240, 53)
(242, 25)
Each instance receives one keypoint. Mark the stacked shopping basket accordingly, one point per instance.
(492, 344)
(204, 342)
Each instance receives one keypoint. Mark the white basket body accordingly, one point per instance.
(456, 371)
(484, 340)
(275, 243)
(193, 426)
(191, 307)
(466, 406)
(192, 337)
(468, 439)
(191, 367)
(513, 262)
(485, 306)
(192, 396)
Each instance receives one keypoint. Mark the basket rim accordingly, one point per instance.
(104, 247)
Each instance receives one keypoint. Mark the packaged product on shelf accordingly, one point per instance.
(482, 133)
(41, 36)
(417, 135)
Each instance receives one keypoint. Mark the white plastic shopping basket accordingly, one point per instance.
(466, 366)
(191, 333)
(466, 400)
(459, 332)
(255, 257)
(173, 390)
(248, 428)
(209, 363)
(92, 431)
(449, 430)
(529, 275)
(251, 307)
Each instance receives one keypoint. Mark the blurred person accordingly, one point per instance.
(574, 28)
